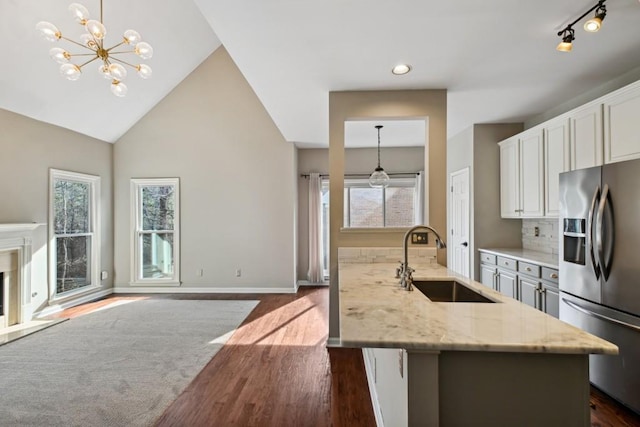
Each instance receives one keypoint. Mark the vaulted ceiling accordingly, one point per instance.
(496, 58)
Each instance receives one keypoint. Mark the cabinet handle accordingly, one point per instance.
(506, 263)
(543, 291)
(528, 268)
(553, 275)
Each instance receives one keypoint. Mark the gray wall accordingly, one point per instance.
(358, 160)
(477, 148)
(237, 182)
(430, 105)
(29, 149)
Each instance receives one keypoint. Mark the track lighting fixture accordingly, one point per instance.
(567, 40)
(592, 25)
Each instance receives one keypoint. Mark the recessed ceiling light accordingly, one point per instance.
(401, 69)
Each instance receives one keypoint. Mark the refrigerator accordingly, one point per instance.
(600, 269)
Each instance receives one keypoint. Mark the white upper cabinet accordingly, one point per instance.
(586, 137)
(509, 178)
(622, 125)
(521, 175)
(531, 173)
(556, 161)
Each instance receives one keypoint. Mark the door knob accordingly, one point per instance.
(465, 244)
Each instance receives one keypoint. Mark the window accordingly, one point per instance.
(366, 207)
(156, 238)
(74, 235)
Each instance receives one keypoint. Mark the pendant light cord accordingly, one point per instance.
(378, 127)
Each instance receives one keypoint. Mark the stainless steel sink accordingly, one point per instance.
(448, 291)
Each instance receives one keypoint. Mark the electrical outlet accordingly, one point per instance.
(199, 272)
(536, 231)
(104, 274)
(238, 272)
(420, 237)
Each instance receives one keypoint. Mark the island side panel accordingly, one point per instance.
(524, 389)
(424, 395)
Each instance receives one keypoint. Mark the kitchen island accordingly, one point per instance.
(463, 363)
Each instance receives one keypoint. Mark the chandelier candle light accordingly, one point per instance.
(379, 178)
(111, 67)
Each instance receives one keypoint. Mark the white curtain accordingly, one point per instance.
(419, 198)
(316, 267)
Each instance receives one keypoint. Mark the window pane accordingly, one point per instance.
(72, 263)
(366, 207)
(157, 255)
(399, 206)
(71, 207)
(158, 207)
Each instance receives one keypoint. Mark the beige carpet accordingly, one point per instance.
(121, 366)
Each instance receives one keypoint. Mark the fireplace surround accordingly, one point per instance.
(15, 264)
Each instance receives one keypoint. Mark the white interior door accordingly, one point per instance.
(459, 241)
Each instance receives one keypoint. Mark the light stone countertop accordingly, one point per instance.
(526, 255)
(375, 312)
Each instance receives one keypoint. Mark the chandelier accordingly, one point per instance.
(112, 67)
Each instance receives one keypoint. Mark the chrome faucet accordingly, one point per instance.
(406, 278)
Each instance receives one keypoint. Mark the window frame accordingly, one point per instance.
(364, 183)
(94, 182)
(136, 186)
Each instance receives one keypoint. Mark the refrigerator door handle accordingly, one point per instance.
(590, 224)
(575, 306)
(605, 267)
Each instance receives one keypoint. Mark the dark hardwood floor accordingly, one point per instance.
(276, 371)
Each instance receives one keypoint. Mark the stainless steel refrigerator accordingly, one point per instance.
(600, 269)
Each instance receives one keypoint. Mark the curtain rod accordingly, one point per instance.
(324, 175)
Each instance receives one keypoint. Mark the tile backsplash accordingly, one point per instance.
(546, 241)
(394, 255)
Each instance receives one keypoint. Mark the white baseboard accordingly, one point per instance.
(57, 308)
(126, 289)
(308, 283)
(370, 371)
(334, 342)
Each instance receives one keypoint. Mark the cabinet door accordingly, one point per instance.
(621, 125)
(532, 173)
(528, 291)
(488, 275)
(586, 137)
(509, 175)
(550, 300)
(556, 160)
(507, 283)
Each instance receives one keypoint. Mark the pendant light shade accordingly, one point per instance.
(379, 178)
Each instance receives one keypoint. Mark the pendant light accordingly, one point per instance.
(379, 178)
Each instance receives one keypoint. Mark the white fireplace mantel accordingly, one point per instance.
(18, 237)
(20, 226)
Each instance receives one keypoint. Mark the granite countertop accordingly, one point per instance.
(527, 255)
(375, 312)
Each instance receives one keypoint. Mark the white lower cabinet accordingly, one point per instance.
(387, 377)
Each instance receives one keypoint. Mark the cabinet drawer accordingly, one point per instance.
(487, 258)
(529, 269)
(550, 275)
(508, 263)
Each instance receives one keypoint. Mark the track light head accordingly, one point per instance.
(593, 25)
(568, 36)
